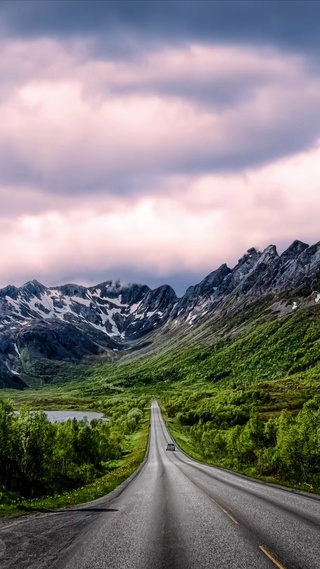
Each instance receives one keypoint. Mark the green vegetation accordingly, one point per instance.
(281, 348)
(246, 399)
(266, 350)
(234, 429)
(67, 462)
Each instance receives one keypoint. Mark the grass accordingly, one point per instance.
(286, 348)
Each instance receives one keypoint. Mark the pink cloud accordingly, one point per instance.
(111, 164)
(211, 220)
(73, 125)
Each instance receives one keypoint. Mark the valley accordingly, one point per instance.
(234, 363)
(54, 335)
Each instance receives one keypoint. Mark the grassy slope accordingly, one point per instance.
(282, 356)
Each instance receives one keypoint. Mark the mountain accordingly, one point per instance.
(73, 323)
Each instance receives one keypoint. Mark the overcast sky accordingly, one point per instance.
(152, 141)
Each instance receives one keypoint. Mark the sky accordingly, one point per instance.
(153, 141)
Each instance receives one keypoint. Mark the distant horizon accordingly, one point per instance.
(161, 283)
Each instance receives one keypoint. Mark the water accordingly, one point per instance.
(62, 416)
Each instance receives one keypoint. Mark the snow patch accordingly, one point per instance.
(79, 300)
(97, 292)
(115, 301)
(17, 349)
(191, 318)
(134, 307)
(294, 306)
(14, 304)
(138, 316)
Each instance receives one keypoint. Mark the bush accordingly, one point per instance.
(38, 457)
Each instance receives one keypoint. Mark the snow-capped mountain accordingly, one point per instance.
(120, 311)
(73, 322)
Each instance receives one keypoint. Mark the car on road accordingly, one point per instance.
(171, 446)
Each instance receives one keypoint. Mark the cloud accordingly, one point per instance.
(203, 223)
(78, 125)
(130, 26)
(155, 139)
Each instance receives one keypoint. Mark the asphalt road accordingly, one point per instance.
(176, 513)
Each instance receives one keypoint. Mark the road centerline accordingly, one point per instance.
(271, 557)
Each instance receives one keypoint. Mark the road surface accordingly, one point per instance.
(175, 514)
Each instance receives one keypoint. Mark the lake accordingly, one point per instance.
(62, 416)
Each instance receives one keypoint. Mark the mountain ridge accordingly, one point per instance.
(75, 323)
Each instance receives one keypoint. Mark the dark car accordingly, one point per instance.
(171, 446)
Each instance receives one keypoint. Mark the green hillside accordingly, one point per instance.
(247, 401)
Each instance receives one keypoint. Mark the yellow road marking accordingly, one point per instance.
(229, 515)
(225, 511)
(215, 502)
(273, 559)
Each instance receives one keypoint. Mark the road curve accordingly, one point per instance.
(175, 514)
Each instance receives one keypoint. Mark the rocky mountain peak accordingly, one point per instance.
(241, 271)
(165, 292)
(33, 288)
(11, 291)
(249, 258)
(72, 290)
(207, 287)
(269, 254)
(293, 251)
(217, 277)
